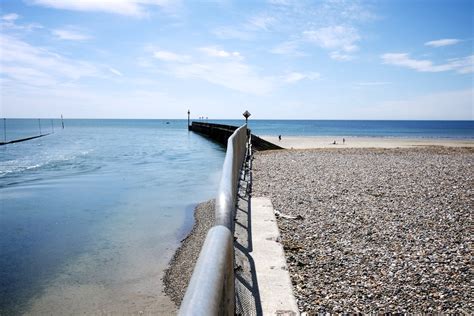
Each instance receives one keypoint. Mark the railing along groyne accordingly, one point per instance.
(24, 139)
(220, 133)
(211, 289)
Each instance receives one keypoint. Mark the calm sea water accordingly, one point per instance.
(406, 129)
(112, 194)
(115, 195)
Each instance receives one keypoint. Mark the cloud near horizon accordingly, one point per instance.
(442, 105)
(227, 69)
(443, 42)
(463, 65)
(283, 58)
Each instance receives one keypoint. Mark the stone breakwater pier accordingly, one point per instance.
(336, 230)
(221, 133)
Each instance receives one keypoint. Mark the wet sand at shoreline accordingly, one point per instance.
(306, 142)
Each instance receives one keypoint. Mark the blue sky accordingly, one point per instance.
(280, 59)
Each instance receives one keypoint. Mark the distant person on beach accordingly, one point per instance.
(343, 141)
(334, 143)
(279, 137)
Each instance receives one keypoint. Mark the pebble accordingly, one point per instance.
(180, 269)
(374, 230)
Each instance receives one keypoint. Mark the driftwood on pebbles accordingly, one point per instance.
(374, 230)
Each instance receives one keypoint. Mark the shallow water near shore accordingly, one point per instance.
(91, 214)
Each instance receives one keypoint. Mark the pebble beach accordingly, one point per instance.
(374, 230)
(180, 269)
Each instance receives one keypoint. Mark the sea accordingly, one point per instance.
(101, 205)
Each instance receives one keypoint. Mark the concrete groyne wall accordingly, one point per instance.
(221, 133)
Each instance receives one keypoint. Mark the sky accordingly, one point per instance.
(278, 59)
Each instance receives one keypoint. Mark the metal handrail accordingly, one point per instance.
(227, 194)
(211, 289)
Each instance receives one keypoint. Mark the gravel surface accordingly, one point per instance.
(181, 266)
(374, 230)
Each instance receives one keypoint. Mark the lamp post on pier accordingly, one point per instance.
(246, 114)
(189, 113)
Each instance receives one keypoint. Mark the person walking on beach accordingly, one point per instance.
(279, 138)
(343, 141)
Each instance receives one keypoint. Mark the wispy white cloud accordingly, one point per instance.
(460, 65)
(8, 21)
(293, 77)
(373, 83)
(70, 34)
(28, 75)
(115, 71)
(230, 32)
(347, 11)
(341, 40)
(262, 22)
(78, 101)
(443, 42)
(227, 69)
(289, 48)
(341, 56)
(281, 2)
(444, 105)
(10, 17)
(36, 66)
(234, 75)
(214, 51)
(335, 37)
(331, 24)
(249, 29)
(168, 56)
(135, 8)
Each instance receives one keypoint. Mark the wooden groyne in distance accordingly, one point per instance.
(22, 139)
(221, 133)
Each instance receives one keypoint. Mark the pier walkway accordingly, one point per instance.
(262, 281)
